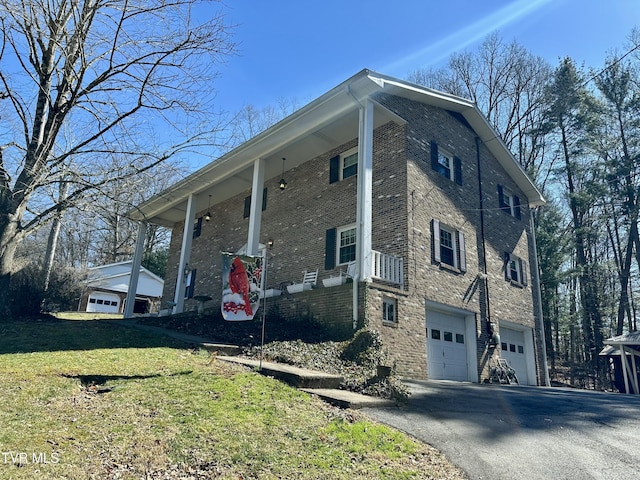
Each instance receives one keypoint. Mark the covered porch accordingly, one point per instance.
(342, 114)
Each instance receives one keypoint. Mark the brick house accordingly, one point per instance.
(409, 189)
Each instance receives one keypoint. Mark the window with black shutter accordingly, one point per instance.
(446, 164)
(515, 270)
(247, 204)
(509, 203)
(197, 227)
(449, 248)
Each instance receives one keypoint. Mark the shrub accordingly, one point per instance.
(29, 298)
(365, 349)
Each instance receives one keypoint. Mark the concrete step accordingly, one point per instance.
(347, 399)
(294, 376)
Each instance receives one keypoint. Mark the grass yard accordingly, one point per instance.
(88, 399)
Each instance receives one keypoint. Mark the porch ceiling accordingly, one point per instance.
(329, 121)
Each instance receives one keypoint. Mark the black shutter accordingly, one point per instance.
(501, 204)
(247, 207)
(457, 170)
(507, 267)
(435, 224)
(434, 155)
(330, 249)
(264, 199)
(516, 207)
(462, 253)
(197, 228)
(192, 284)
(334, 169)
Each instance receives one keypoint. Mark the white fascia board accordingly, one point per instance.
(478, 122)
(308, 118)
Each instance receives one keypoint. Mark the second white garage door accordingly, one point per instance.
(446, 347)
(515, 352)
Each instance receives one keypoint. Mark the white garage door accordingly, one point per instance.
(446, 347)
(103, 302)
(514, 351)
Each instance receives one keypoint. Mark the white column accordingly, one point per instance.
(135, 271)
(255, 217)
(364, 198)
(365, 191)
(634, 371)
(185, 255)
(625, 373)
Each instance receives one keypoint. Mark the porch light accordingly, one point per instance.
(207, 216)
(283, 183)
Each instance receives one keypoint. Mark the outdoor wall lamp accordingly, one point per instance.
(283, 183)
(207, 216)
(270, 243)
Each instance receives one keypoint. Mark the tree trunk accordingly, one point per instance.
(8, 245)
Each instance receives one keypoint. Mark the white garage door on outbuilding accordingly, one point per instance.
(451, 344)
(517, 348)
(103, 302)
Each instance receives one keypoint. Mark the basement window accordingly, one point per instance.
(389, 310)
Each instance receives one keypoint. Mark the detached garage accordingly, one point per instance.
(107, 286)
(451, 343)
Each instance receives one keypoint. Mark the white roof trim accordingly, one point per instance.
(232, 171)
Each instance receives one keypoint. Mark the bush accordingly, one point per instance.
(27, 293)
(365, 349)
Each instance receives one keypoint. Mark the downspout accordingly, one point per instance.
(356, 277)
(534, 262)
(493, 335)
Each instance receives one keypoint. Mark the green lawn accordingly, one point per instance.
(90, 399)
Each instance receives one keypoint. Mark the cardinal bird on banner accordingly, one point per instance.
(241, 278)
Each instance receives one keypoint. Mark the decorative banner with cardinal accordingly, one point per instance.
(241, 280)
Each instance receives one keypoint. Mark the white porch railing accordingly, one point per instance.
(388, 268)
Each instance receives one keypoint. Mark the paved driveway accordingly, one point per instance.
(511, 432)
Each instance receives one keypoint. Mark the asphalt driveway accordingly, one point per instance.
(512, 432)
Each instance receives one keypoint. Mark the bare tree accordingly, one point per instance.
(507, 83)
(250, 121)
(130, 79)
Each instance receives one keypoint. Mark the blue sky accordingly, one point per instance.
(297, 49)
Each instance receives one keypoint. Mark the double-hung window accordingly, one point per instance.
(344, 165)
(340, 246)
(515, 269)
(446, 164)
(389, 310)
(449, 250)
(349, 163)
(508, 202)
(346, 245)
